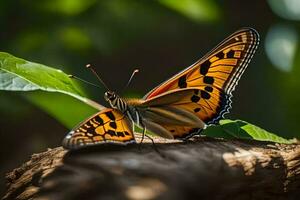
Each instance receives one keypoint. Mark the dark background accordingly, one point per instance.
(160, 38)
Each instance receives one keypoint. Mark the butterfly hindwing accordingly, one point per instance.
(212, 80)
(107, 126)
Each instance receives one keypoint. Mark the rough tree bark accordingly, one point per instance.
(202, 168)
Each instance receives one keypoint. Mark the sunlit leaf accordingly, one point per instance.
(20, 75)
(67, 7)
(9, 81)
(65, 109)
(197, 10)
(230, 129)
(217, 132)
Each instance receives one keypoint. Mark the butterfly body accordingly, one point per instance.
(151, 115)
(179, 107)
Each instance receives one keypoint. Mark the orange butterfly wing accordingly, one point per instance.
(212, 78)
(107, 126)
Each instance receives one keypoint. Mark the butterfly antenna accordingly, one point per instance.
(89, 66)
(132, 75)
(130, 79)
(80, 79)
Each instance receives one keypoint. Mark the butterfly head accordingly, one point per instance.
(110, 96)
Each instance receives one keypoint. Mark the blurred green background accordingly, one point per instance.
(160, 37)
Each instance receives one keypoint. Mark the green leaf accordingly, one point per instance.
(217, 132)
(67, 7)
(17, 74)
(230, 129)
(9, 81)
(65, 109)
(197, 10)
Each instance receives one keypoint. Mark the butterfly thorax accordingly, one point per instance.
(115, 101)
(126, 106)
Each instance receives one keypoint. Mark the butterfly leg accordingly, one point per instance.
(132, 122)
(143, 135)
(150, 138)
(155, 147)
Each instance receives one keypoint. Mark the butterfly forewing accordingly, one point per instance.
(212, 79)
(225, 63)
(107, 126)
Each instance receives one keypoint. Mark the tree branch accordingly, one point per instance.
(202, 168)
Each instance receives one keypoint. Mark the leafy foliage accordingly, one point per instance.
(17, 74)
(197, 10)
(65, 109)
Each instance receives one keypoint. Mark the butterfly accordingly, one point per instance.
(178, 108)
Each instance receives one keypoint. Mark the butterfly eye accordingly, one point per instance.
(109, 96)
(106, 96)
(112, 97)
